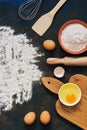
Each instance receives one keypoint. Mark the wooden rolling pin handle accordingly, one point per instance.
(71, 61)
(55, 60)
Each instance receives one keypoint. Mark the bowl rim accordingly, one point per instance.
(70, 104)
(60, 32)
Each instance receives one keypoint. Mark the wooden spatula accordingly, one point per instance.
(45, 21)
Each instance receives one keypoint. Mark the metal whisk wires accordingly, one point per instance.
(29, 9)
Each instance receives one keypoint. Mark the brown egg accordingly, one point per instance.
(30, 118)
(49, 44)
(45, 117)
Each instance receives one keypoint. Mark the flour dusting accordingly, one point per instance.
(18, 68)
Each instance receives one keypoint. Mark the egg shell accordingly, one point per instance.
(49, 45)
(30, 118)
(59, 72)
(45, 117)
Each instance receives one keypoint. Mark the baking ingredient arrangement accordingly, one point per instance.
(19, 61)
(73, 39)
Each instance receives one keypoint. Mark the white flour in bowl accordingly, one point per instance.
(18, 68)
(74, 37)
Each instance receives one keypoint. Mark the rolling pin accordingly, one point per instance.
(70, 61)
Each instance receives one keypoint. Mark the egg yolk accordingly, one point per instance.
(71, 98)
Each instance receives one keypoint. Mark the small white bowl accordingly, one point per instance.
(69, 94)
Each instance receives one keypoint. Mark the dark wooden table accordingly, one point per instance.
(42, 99)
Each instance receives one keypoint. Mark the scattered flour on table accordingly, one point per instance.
(74, 37)
(18, 68)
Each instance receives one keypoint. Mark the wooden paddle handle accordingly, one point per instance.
(57, 7)
(71, 61)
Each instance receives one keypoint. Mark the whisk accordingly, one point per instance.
(28, 9)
